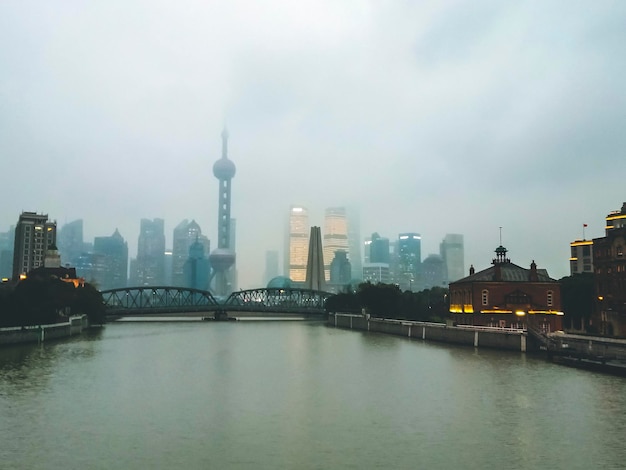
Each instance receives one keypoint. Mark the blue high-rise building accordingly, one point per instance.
(409, 261)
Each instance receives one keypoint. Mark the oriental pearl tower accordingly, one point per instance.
(223, 257)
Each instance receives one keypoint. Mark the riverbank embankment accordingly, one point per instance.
(40, 333)
(476, 336)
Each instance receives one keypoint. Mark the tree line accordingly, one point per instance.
(388, 301)
(47, 300)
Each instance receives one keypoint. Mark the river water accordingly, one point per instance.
(269, 395)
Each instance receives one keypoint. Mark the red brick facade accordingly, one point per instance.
(509, 296)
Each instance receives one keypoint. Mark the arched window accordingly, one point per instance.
(549, 298)
(485, 297)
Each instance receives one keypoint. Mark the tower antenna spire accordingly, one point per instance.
(225, 143)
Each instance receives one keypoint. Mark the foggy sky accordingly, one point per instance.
(433, 117)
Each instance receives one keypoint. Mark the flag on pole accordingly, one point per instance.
(584, 225)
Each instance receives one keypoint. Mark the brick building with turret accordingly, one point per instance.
(508, 296)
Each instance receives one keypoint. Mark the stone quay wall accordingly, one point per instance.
(40, 333)
(476, 336)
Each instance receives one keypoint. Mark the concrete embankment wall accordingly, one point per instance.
(40, 333)
(498, 338)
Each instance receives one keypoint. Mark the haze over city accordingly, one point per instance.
(437, 117)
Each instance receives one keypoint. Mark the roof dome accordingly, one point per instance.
(224, 169)
(280, 282)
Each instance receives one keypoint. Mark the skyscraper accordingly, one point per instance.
(379, 249)
(271, 266)
(335, 235)
(355, 252)
(114, 253)
(340, 270)
(433, 272)
(409, 258)
(34, 233)
(196, 269)
(150, 265)
(70, 242)
(297, 244)
(451, 249)
(185, 234)
(223, 257)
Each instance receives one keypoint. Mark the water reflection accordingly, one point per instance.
(297, 395)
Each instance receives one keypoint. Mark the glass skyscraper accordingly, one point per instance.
(335, 235)
(297, 244)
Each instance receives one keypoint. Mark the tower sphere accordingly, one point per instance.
(224, 169)
(222, 258)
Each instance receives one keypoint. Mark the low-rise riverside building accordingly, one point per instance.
(609, 261)
(508, 296)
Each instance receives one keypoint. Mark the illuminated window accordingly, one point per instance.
(549, 298)
(485, 297)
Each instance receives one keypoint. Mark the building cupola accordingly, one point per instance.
(501, 256)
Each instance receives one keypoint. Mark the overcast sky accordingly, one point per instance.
(430, 116)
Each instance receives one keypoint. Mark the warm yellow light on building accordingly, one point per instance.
(520, 313)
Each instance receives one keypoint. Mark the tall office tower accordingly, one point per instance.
(451, 250)
(379, 249)
(297, 244)
(223, 257)
(196, 269)
(114, 252)
(355, 252)
(185, 234)
(271, 266)
(7, 240)
(70, 242)
(433, 272)
(34, 233)
(150, 266)
(409, 259)
(335, 235)
(92, 268)
(315, 278)
(340, 269)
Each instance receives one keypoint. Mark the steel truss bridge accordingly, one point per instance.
(163, 300)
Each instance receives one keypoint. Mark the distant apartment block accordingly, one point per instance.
(34, 233)
(376, 273)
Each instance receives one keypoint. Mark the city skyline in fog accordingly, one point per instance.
(435, 118)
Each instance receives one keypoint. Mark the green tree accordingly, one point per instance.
(577, 299)
(88, 301)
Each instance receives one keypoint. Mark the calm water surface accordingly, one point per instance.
(267, 395)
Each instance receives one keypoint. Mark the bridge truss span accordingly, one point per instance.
(158, 299)
(278, 300)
